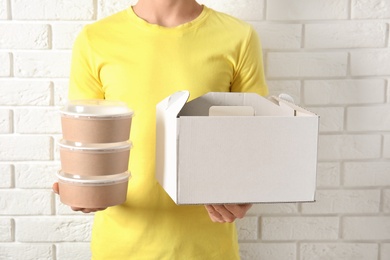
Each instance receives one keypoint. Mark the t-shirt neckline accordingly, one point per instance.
(155, 27)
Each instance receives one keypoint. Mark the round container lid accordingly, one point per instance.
(95, 147)
(96, 108)
(93, 180)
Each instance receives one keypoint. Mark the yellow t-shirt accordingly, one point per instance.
(122, 57)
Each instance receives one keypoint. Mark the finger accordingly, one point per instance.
(87, 210)
(96, 209)
(225, 213)
(77, 209)
(56, 188)
(214, 215)
(238, 210)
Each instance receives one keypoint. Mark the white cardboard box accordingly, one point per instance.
(270, 156)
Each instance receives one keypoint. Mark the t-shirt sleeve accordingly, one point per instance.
(84, 82)
(249, 75)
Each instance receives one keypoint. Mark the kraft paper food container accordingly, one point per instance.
(93, 192)
(94, 159)
(96, 121)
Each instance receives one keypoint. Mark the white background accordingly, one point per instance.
(332, 56)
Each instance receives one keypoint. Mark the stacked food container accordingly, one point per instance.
(94, 153)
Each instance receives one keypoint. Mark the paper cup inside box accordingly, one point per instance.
(96, 121)
(93, 192)
(94, 159)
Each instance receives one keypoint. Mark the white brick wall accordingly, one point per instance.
(5, 61)
(332, 56)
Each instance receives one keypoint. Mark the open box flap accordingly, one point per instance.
(166, 135)
(172, 105)
(299, 111)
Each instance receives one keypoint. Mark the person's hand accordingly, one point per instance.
(84, 210)
(223, 213)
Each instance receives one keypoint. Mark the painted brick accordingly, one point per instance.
(6, 177)
(64, 34)
(5, 61)
(370, 63)
(42, 64)
(308, 64)
(52, 10)
(274, 209)
(24, 36)
(385, 251)
(344, 201)
(269, 251)
(247, 10)
(386, 146)
(60, 92)
(331, 118)
(53, 229)
(373, 9)
(37, 175)
(106, 8)
(5, 121)
(3, 9)
(350, 176)
(290, 87)
(374, 118)
(247, 228)
(366, 228)
(293, 228)
(56, 151)
(30, 147)
(307, 10)
(337, 92)
(279, 36)
(345, 35)
(37, 120)
(6, 229)
(355, 251)
(386, 200)
(26, 251)
(25, 93)
(73, 251)
(388, 86)
(328, 174)
(366, 174)
(346, 147)
(25, 202)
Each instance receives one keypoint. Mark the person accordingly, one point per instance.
(140, 56)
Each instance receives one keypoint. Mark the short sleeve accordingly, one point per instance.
(84, 80)
(249, 75)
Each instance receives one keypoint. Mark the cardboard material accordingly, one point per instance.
(270, 156)
(94, 192)
(96, 130)
(231, 111)
(94, 159)
(96, 121)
